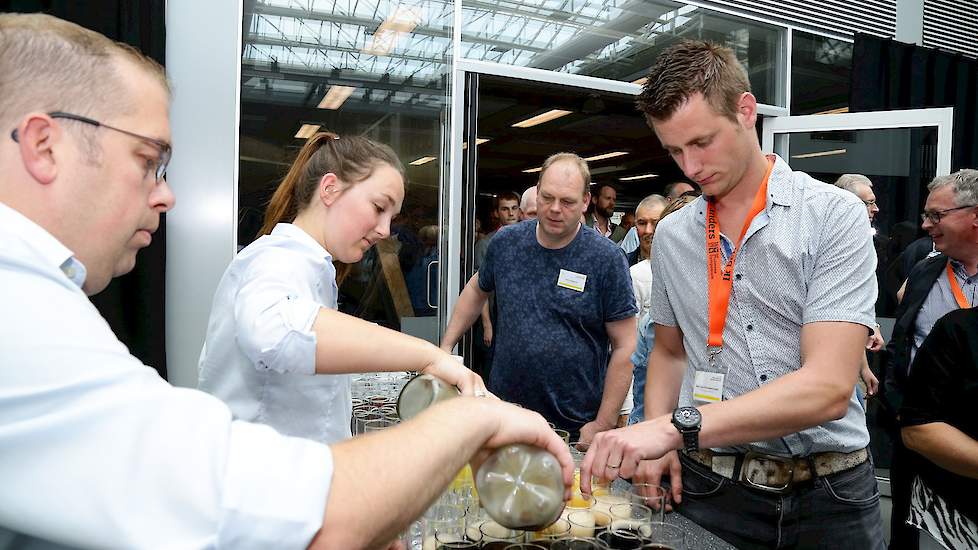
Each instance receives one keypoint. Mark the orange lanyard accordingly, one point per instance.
(720, 277)
(956, 288)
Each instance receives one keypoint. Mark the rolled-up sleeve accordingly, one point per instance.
(273, 321)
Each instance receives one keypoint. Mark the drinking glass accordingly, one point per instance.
(655, 497)
(664, 536)
(497, 537)
(630, 516)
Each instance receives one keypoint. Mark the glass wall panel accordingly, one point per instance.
(820, 70)
(617, 40)
(378, 69)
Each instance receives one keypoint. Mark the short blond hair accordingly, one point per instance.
(48, 64)
(572, 158)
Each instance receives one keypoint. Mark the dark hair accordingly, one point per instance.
(692, 67)
(353, 159)
(597, 187)
(505, 196)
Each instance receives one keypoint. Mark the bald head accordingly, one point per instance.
(528, 204)
(569, 166)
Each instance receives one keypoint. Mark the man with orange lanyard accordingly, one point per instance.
(937, 285)
(758, 339)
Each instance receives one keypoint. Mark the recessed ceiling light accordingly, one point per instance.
(306, 131)
(335, 97)
(422, 160)
(819, 154)
(541, 118)
(642, 177)
(838, 111)
(478, 141)
(606, 156)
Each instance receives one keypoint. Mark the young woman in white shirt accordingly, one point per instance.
(277, 350)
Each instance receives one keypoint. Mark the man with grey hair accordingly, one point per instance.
(97, 450)
(862, 187)
(935, 286)
(672, 192)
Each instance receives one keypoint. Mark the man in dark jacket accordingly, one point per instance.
(936, 285)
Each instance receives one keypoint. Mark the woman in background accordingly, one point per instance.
(277, 350)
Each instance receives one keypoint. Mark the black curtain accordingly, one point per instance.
(887, 74)
(134, 304)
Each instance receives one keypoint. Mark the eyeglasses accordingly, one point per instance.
(936, 216)
(158, 166)
(870, 203)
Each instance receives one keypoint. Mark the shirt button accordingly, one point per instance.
(750, 327)
(763, 377)
(737, 276)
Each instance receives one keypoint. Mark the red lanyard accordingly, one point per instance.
(956, 288)
(720, 277)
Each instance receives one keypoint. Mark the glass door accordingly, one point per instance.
(900, 152)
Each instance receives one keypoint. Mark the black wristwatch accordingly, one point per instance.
(688, 421)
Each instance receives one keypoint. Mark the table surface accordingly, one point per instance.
(697, 538)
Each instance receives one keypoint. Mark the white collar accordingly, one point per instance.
(43, 243)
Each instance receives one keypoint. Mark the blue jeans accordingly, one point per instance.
(840, 510)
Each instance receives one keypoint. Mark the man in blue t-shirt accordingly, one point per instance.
(566, 311)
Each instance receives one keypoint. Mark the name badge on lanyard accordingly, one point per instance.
(708, 386)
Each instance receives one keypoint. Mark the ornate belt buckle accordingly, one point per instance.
(784, 466)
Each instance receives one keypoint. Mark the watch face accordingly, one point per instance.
(687, 417)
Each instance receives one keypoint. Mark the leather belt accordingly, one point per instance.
(776, 474)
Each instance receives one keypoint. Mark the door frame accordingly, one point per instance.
(778, 128)
(454, 192)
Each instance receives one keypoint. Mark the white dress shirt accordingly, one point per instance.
(642, 286)
(96, 450)
(260, 352)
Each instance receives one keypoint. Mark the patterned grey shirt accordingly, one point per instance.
(940, 301)
(808, 257)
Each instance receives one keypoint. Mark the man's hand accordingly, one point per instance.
(454, 372)
(651, 471)
(487, 333)
(875, 342)
(617, 453)
(517, 425)
(872, 384)
(589, 430)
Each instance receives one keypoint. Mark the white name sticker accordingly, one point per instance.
(708, 387)
(571, 280)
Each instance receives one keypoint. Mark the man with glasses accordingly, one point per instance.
(935, 286)
(96, 450)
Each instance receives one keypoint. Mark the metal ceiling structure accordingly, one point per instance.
(398, 52)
